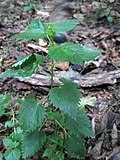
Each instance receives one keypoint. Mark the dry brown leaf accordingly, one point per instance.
(62, 65)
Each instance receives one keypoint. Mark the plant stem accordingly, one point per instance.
(63, 129)
(13, 118)
(52, 73)
(51, 44)
(112, 105)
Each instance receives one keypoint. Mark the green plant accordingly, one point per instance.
(1, 64)
(32, 5)
(58, 129)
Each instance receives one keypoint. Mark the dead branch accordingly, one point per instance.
(92, 80)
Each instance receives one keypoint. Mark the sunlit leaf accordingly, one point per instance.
(65, 25)
(12, 154)
(24, 67)
(72, 52)
(35, 30)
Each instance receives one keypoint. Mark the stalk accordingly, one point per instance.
(52, 73)
(52, 44)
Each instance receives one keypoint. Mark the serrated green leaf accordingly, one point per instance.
(31, 114)
(1, 157)
(47, 152)
(72, 53)
(79, 126)
(29, 7)
(35, 30)
(23, 60)
(7, 73)
(75, 145)
(32, 142)
(12, 154)
(66, 97)
(9, 143)
(27, 65)
(53, 146)
(9, 124)
(4, 99)
(65, 25)
(16, 136)
(58, 155)
(23, 68)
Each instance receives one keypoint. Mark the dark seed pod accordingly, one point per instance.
(60, 38)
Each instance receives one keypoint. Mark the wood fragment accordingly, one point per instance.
(93, 80)
(39, 48)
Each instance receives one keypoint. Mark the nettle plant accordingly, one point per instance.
(58, 130)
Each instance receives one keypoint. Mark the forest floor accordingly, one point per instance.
(94, 30)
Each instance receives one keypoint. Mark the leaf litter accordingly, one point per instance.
(95, 32)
